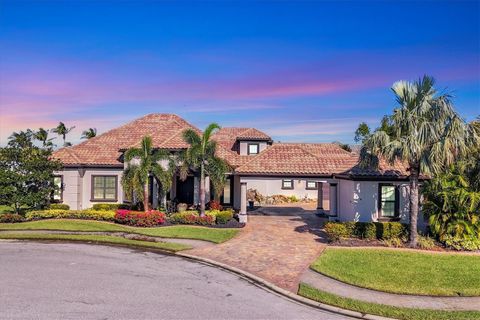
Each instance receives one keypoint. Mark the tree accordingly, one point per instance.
(22, 139)
(362, 132)
(427, 134)
(26, 175)
(62, 131)
(200, 155)
(42, 136)
(90, 133)
(142, 163)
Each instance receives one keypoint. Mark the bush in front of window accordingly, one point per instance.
(59, 206)
(151, 218)
(214, 205)
(11, 218)
(109, 206)
(71, 214)
(366, 230)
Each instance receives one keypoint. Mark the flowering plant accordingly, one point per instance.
(150, 218)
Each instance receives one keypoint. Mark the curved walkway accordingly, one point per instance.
(331, 285)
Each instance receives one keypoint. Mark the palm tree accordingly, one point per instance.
(22, 139)
(201, 156)
(90, 133)
(42, 136)
(144, 162)
(427, 134)
(62, 130)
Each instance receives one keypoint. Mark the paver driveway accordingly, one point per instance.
(278, 244)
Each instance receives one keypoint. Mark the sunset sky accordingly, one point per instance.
(303, 71)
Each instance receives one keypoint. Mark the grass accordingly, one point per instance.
(185, 232)
(168, 246)
(384, 310)
(404, 272)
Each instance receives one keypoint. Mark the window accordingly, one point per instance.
(388, 201)
(287, 184)
(227, 192)
(104, 188)
(253, 148)
(57, 195)
(311, 185)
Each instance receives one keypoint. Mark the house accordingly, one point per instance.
(92, 171)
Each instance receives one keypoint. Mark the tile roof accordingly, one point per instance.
(165, 130)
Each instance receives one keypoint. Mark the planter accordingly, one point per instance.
(250, 204)
(182, 207)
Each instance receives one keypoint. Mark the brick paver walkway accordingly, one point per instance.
(278, 248)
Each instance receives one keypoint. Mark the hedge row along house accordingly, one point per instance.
(92, 172)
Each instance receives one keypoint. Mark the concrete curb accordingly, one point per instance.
(287, 294)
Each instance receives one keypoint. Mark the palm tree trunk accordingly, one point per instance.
(145, 196)
(414, 173)
(202, 190)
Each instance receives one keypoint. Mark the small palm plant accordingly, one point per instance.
(426, 133)
(90, 133)
(144, 162)
(201, 156)
(62, 131)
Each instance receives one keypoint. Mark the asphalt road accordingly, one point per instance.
(80, 281)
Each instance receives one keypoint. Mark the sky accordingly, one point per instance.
(306, 71)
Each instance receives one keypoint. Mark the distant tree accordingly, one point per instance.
(142, 163)
(42, 136)
(90, 133)
(427, 134)
(62, 131)
(22, 139)
(200, 155)
(26, 175)
(344, 146)
(362, 132)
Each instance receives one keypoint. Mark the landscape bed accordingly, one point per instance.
(403, 271)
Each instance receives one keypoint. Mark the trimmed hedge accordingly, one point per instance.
(109, 206)
(11, 218)
(151, 218)
(59, 206)
(193, 217)
(222, 217)
(365, 230)
(71, 214)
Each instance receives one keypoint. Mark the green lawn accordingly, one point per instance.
(383, 310)
(400, 271)
(168, 246)
(186, 232)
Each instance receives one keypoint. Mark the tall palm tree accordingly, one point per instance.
(90, 133)
(22, 139)
(201, 156)
(42, 136)
(62, 131)
(427, 135)
(144, 162)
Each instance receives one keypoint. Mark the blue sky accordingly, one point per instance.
(301, 71)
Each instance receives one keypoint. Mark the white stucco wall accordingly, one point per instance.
(77, 190)
(358, 200)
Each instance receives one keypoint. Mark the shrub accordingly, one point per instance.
(426, 243)
(388, 230)
(10, 218)
(393, 242)
(336, 231)
(71, 214)
(293, 198)
(366, 230)
(467, 243)
(214, 205)
(369, 230)
(222, 217)
(193, 217)
(59, 206)
(150, 218)
(109, 206)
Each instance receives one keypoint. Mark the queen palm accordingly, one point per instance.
(144, 162)
(201, 156)
(90, 133)
(42, 136)
(62, 131)
(427, 134)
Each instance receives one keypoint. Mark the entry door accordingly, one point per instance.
(185, 190)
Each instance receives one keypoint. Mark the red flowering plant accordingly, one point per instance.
(215, 205)
(151, 218)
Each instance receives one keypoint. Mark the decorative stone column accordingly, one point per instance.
(243, 202)
(320, 196)
(333, 199)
